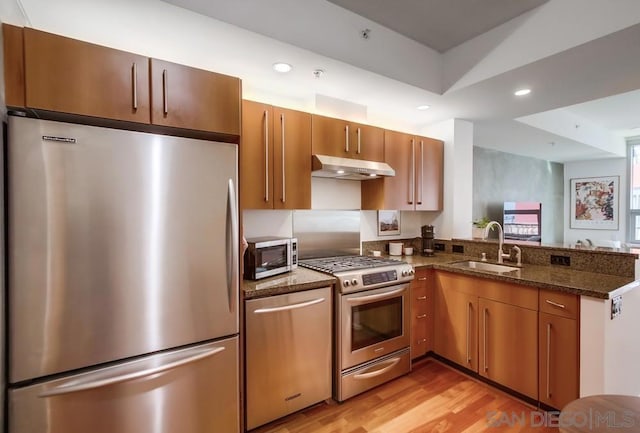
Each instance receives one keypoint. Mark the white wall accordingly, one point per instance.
(455, 219)
(603, 167)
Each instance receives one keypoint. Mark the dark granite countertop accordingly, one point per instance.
(295, 281)
(595, 285)
(582, 283)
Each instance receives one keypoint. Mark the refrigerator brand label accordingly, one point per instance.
(60, 139)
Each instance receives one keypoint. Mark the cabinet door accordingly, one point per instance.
(331, 137)
(185, 97)
(456, 321)
(71, 76)
(419, 317)
(399, 190)
(508, 350)
(13, 46)
(368, 142)
(429, 173)
(559, 367)
(256, 156)
(292, 159)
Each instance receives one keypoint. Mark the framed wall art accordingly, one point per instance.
(595, 203)
(388, 222)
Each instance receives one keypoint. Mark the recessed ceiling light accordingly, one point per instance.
(522, 92)
(422, 107)
(282, 67)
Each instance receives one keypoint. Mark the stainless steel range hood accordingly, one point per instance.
(350, 169)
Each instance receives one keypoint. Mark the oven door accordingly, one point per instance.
(373, 323)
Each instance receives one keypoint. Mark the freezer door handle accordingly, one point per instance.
(232, 245)
(97, 380)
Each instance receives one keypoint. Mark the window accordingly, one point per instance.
(633, 233)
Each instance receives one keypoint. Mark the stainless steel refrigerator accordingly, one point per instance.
(122, 287)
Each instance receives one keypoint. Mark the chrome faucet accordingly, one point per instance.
(501, 254)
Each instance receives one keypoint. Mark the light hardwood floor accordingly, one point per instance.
(432, 398)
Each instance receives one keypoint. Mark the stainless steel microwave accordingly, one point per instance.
(268, 256)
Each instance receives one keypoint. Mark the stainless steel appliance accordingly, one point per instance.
(288, 355)
(372, 320)
(123, 281)
(268, 256)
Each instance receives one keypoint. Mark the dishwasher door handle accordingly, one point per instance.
(288, 307)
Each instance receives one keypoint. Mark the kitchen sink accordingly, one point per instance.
(487, 267)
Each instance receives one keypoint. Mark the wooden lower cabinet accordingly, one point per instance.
(455, 322)
(558, 363)
(421, 313)
(508, 346)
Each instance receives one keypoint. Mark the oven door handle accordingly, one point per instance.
(390, 364)
(377, 297)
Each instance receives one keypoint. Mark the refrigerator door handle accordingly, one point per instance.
(97, 380)
(233, 246)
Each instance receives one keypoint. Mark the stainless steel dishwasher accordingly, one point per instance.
(288, 356)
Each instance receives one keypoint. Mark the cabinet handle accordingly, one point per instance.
(412, 181)
(358, 152)
(486, 365)
(266, 155)
(469, 311)
(346, 138)
(134, 80)
(421, 316)
(421, 298)
(555, 304)
(422, 279)
(548, 360)
(421, 172)
(284, 188)
(165, 91)
(421, 341)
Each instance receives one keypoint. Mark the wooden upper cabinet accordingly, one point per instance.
(191, 98)
(13, 46)
(429, 173)
(275, 158)
(418, 183)
(336, 137)
(71, 76)
(291, 159)
(256, 156)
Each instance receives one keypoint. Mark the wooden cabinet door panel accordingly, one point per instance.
(256, 156)
(292, 159)
(368, 142)
(429, 173)
(456, 322)
(191, 98)
(71, 76)
(508, 349)
(398, 190)
(331, 137)
(559, 367)
(13, 45)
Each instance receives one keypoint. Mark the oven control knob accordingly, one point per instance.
(346, 283)
(354, 282)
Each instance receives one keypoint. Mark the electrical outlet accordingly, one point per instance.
(560, 260)
(616, 306)
(458, 249)
(438, 246)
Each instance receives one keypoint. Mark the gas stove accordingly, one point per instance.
(356, 273)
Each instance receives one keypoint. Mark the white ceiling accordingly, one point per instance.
(572, 53)
(440, 24)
